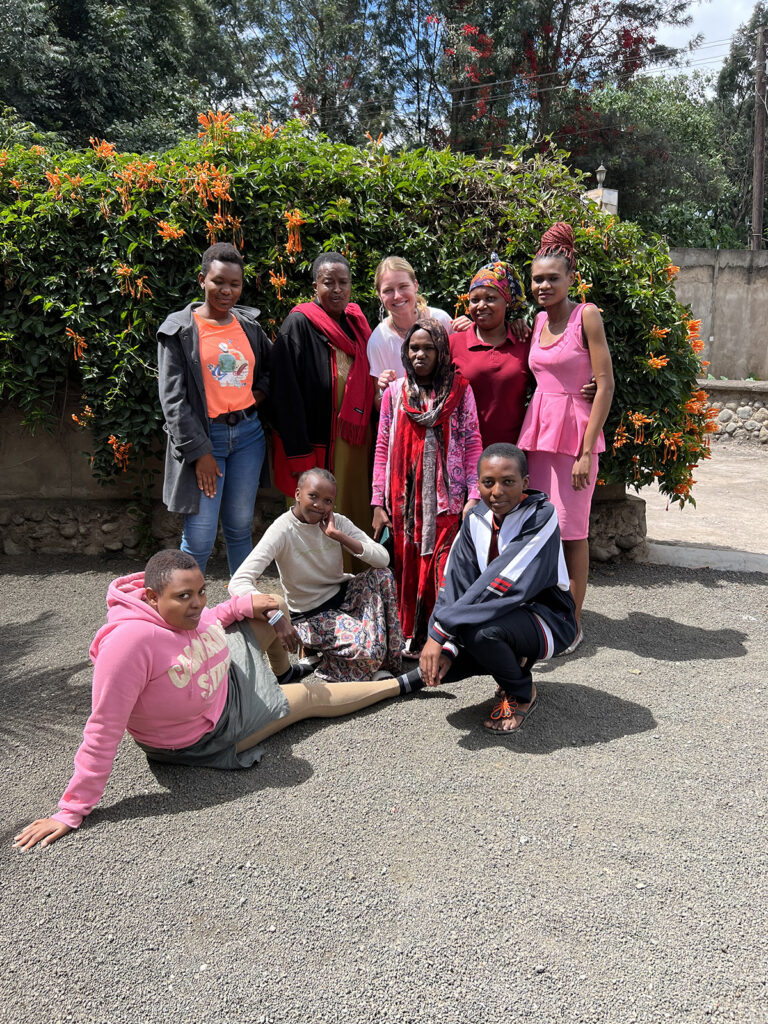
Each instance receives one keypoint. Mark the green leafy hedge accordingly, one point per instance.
(98, 246)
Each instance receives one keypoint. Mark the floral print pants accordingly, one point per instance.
(362, 635)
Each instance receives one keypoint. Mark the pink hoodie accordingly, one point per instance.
(166, 686)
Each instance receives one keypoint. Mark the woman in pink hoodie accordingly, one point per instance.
(189, 683)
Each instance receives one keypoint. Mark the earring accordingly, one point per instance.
(382, 312)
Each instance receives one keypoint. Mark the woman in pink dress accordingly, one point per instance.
(562, 432)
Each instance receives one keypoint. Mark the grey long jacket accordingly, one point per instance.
(182, 396)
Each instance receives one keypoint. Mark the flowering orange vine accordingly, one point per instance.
(659, 333)
(102, 148)
(620, 437)
(54, 183)
(211, 183)
(268, 130)
(220, 223)
(582, 288)
(278, 281)
(295, 220)
(168, 232)
(120, 450)
(657, 362)
(78, 343)
(216, 126)
(639, 421)
(84, 418)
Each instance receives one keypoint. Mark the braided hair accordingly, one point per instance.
(559, 241)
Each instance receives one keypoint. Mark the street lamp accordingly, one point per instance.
(600, 175)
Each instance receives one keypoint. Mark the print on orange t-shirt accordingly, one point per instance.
(226, 358)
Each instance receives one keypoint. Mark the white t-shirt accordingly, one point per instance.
(384, 345)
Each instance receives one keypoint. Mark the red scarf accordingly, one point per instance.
(407, 464)
(357, 403)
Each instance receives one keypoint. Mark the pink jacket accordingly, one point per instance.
(166, 686)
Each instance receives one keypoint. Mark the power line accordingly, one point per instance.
(335, 117)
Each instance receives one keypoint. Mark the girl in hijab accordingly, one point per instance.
(425, 470)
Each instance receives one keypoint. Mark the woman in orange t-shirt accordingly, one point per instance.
(213, 361)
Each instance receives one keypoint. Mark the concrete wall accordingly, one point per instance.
(728, 291)
(52, 465)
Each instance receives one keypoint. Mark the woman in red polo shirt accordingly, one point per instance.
(493, 355)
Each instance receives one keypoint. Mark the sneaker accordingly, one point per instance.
(309, 663)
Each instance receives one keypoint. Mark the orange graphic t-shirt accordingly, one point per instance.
(227, 363)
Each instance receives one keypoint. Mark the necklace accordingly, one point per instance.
(402, 331)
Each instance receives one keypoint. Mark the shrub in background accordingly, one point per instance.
(97, 246)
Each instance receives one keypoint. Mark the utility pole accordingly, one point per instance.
(758, 176)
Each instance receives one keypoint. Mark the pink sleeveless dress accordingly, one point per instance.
(555, 421)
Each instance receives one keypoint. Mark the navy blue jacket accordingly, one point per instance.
(530, 572)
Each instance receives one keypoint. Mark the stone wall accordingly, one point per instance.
(54, 526)
(742, 409)
(617, 526)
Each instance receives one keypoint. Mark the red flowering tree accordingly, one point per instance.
(522, 71)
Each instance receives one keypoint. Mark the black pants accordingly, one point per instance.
(496, 649)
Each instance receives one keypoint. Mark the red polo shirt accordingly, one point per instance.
(499, 379)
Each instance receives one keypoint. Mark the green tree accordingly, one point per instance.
(517, 71)
(736, 108)
(659, 139)
(136, 73)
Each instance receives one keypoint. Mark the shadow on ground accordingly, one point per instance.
(567, 715)
(651, 576)
(661, 638)
(188, 789)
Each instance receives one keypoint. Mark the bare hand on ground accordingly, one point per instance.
(44, 831)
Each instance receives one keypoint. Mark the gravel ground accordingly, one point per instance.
(607, 865)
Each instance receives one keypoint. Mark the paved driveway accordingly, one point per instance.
(606, 866)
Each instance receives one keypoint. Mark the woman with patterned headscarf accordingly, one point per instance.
(493, 355)
(425, 470)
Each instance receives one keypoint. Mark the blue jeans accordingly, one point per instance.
(239, 452)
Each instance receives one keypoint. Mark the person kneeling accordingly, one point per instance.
(350, 621)
(505, 602)
(189, 683)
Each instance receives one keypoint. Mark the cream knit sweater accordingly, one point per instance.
(309, 563)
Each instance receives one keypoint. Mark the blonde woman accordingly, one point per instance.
(398, 291)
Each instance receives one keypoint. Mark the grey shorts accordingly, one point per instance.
(254, 700)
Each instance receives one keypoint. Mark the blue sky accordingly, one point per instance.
(716, 20)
